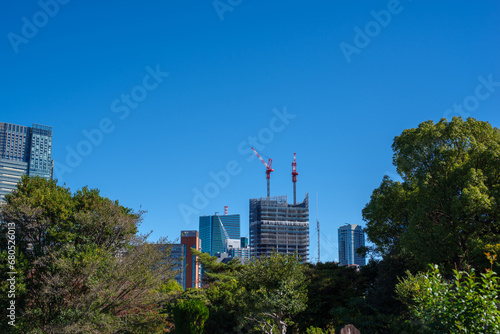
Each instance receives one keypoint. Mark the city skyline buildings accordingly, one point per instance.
(27, 150)
(217, 96)
(351, 237)
(24, 151)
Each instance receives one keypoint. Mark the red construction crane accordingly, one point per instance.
(294, 178)
(268, 170)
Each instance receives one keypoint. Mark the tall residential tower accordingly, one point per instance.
(24, 150)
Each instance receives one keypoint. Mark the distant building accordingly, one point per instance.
(191, 239)
(173, 255)
(24, 150)
(178, 257)
(278, 226)
(244, 242)
(243, 252)
(351, 237)
(218, 233)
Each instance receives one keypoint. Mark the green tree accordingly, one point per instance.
(190, 317)
(465, 304)
(223, 292)
(176, 297)
(171, 287)
(81, 265)
(41, 211)
(447, 203)
(330, 287)
(275, 290)
(314, 330)
(373, 306)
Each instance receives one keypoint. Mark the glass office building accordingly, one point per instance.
(40, 159)
(24, 150)
(351, 237)
(212, 234)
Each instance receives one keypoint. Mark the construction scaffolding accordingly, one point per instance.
(278, 226)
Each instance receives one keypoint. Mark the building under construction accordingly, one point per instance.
(278, 226)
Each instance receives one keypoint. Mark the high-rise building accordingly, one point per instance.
(191, 239)
(351, 237)
(278, 226)
(24, 150)
(217, 233)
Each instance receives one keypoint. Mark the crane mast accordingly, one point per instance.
(294, 178)
(269, 169)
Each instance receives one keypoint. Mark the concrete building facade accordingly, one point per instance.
(191, 239)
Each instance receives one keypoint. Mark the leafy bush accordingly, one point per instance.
(190, 317)
(314, 330)
(465, 304)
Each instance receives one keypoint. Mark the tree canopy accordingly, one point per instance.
(190, 317)
(276, 289)
(447, 203)
(82, 266)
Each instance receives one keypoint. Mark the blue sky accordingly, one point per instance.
(158, 98)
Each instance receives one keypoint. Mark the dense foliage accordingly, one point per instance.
(447, 206)
(464, 304)
(276, 289)
(190, 317)
(82, 267)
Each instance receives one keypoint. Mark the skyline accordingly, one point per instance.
(151, 102)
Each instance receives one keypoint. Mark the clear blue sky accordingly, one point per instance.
(348, 84)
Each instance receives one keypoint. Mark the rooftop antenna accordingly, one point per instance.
(294, 178)
(317, 226)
